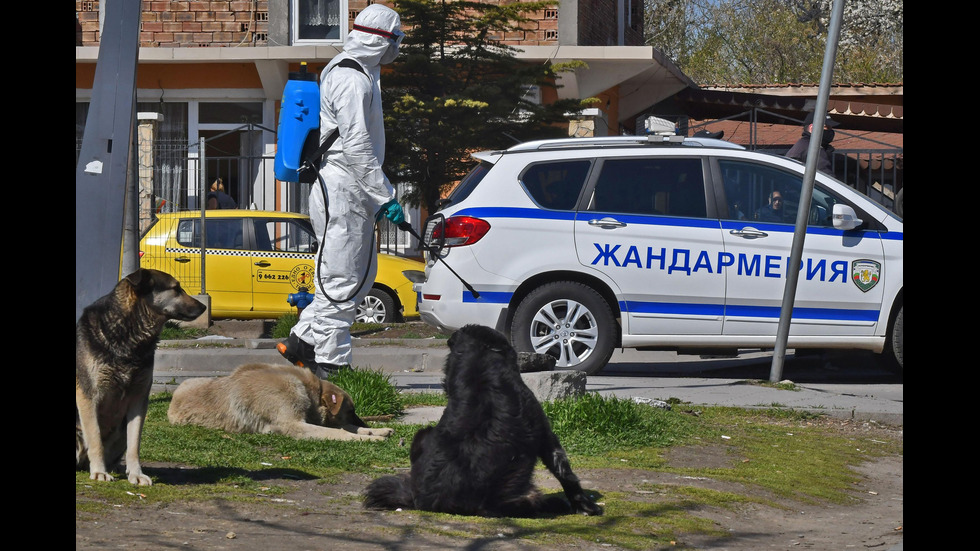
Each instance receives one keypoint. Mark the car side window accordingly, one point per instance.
(654, 186)
(188, 233)
(760, 192)
(283, 236)
(223, 233)
(556, 186)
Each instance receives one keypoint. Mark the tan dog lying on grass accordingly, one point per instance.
(271, 399)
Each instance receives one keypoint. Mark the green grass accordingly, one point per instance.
(281, 329)
(174, 331)
(776, 452)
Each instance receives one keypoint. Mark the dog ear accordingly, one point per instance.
(141, 280)
(332, 398)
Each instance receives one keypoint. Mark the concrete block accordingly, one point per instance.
(554, 385)
(530, 362)
(204, 320)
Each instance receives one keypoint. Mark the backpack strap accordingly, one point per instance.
(320, 151)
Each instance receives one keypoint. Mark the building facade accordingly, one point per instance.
(210, 78)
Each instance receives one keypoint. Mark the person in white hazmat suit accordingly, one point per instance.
(357, 193)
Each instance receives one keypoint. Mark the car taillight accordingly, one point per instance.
(461, 230)
(141, 254)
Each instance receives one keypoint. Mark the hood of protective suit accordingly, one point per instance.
(376, 36)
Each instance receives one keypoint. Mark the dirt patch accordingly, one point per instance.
(318, 514)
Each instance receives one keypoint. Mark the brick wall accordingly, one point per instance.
(186, 23)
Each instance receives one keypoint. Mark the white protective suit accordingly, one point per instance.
(356, 186)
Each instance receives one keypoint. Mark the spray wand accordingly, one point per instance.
(405, 226)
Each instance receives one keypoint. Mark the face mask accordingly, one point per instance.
(828, 136)
(392, 52)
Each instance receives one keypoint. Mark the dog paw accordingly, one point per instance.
(585, 506)
(101, 476)
(383, 432)
(140, 479)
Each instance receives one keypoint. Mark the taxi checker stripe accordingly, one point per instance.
(230, 252)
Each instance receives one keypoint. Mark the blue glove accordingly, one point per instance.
(393, 211)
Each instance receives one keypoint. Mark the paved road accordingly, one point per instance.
(842, 384)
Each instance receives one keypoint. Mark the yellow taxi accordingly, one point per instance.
(258, 264)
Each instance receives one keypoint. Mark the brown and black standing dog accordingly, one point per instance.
(115, 341)
(479, 458)
(271, 399)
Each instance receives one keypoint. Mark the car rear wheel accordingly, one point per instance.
(377, 307)
(568, 321)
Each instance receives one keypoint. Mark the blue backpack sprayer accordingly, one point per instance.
(299, 153)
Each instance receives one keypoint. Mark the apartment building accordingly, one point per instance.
(213, 72)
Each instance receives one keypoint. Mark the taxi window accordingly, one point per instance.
(283, 236)
(223, 233)
(760, 192)
(556, 185)
(657, 186)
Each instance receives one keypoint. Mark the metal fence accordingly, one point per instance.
(172, 183)
(877, 173)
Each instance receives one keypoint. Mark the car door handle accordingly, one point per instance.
(182, 259)
(749, 233)
(263, 264)
(607, 223)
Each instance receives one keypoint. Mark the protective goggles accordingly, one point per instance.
(395, 36)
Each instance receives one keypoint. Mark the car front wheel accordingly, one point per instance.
(896, 342)
(377, 307)
(568, 321)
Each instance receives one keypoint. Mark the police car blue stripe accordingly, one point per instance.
(643, 307)
(640, 307)
(521, 213)
(812, 230)
(495, 297)
(516, 212)
(835, 314)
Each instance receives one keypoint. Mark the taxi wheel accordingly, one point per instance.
(568, 321)
(377, 307)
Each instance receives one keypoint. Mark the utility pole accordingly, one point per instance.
(802, 214)
(104, 162)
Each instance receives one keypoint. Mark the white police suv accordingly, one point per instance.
(577, 247)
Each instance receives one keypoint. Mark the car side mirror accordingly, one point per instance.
(845, 218)
(314, 247)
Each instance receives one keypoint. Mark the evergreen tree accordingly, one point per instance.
(457, 88)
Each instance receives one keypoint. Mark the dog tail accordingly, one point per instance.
(390, 492)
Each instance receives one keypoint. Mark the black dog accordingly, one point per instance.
(479, 458)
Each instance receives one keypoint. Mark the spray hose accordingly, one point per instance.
(404, 226)
(319, 261)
